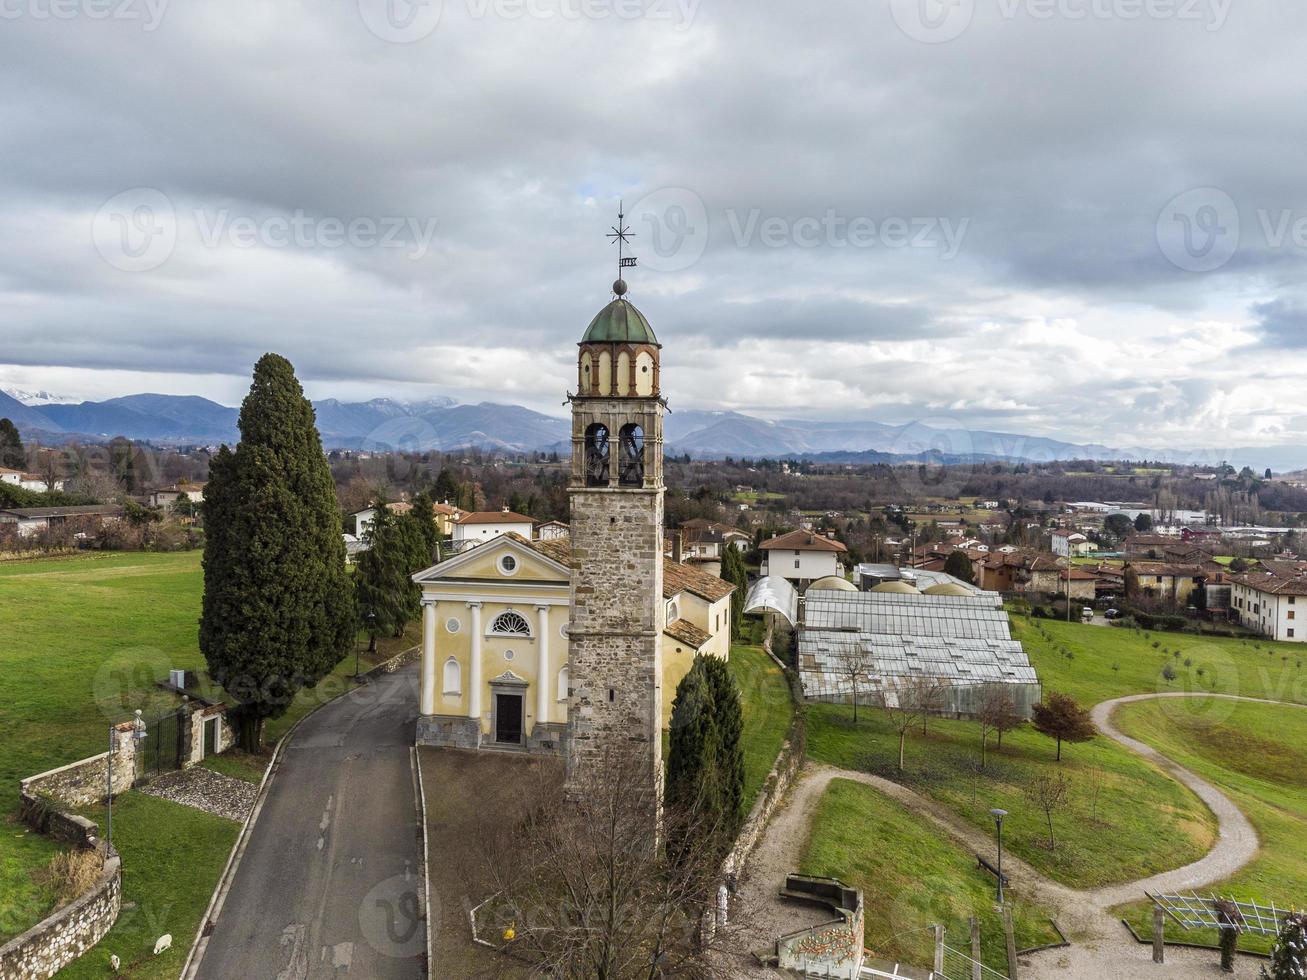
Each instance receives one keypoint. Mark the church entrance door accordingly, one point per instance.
(508, 719)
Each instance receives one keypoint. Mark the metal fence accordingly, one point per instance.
(163, 743)
(960, 966)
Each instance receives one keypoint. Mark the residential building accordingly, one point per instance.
(803, 557)
(485, 525)
(83, 519)
(167, 497)
(1270, 604)
(552, 531)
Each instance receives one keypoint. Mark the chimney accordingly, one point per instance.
(678, 545)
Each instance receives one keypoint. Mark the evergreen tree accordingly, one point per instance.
(278, 611)
(728, 720)
(447, 486)
(959, 565)
(692, 788)
(12, 454)
(425, 516)
(733, 571)
(383, 587)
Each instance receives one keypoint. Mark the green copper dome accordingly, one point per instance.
(620, 322)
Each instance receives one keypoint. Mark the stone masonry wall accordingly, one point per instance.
(617, 618)
(54, 943)
(86, 781)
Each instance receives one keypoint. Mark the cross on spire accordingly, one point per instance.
(621, 236)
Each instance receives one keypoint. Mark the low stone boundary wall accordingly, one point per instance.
(86, 781)
(409, 656)
(51, 945)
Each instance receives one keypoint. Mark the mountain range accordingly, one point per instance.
(445, 425)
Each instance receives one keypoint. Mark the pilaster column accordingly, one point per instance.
(474, 693)
(428, 700)
(542, 665)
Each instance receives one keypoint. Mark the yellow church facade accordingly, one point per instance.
(495, 658)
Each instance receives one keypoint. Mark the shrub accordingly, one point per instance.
(71, 873)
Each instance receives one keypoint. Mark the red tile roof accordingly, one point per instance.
(495, 517)
(803, 541)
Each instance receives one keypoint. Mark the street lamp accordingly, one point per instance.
(998, 822)
(138, 732)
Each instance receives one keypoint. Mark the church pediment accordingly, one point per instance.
(510, 679)
(505, 559)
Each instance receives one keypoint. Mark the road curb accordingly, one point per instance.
(426, 855)
(214, 909)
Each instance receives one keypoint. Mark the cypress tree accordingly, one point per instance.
(278, 610)
(692, 791)
(12, 454)
(733, 571)
(425, 515)
(728, 721)
(382, 583)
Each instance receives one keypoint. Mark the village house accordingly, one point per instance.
(1068, 543)
(29, 481)
(481, 526)
(166, 498)
(803, 557)
(447, 515)
(1173, 583)
(1268, 603)
(84, 519)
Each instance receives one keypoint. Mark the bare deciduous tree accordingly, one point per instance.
(854, 664)
(996, 711)
(588, 891)
(1049, 793)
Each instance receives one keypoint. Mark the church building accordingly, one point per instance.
(574, 643)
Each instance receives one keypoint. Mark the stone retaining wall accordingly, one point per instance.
(788, 762)
(86, 781)
(409, 656)
(52, 944)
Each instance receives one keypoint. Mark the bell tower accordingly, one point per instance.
(616, 496)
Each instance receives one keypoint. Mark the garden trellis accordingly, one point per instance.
(1205, 912)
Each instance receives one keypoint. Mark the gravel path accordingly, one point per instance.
(1102, 947)
(206, 790)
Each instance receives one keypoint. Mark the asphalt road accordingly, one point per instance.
(329, 884)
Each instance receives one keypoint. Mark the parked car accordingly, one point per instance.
(1086, 615)
(1113, 614)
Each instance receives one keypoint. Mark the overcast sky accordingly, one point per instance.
(1080, 218)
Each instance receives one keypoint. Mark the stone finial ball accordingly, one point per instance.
(619, 287)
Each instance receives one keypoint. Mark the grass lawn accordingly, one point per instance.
(172, 856)
(85, 639)
(1124, 820)
(240, 765)
(1257, 754)
(1108, 662)
(767, 714)
(923, 879)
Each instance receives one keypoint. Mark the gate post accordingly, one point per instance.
(975, 948)
(1159, 935)
(939, 951)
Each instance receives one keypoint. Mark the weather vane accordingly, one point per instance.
(621, 235)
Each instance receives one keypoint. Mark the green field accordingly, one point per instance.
(924, 878)
(172, 857)
(1257, 755)
(1109, 662)
(86, 638)
(1124, 820)
(765, 695)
